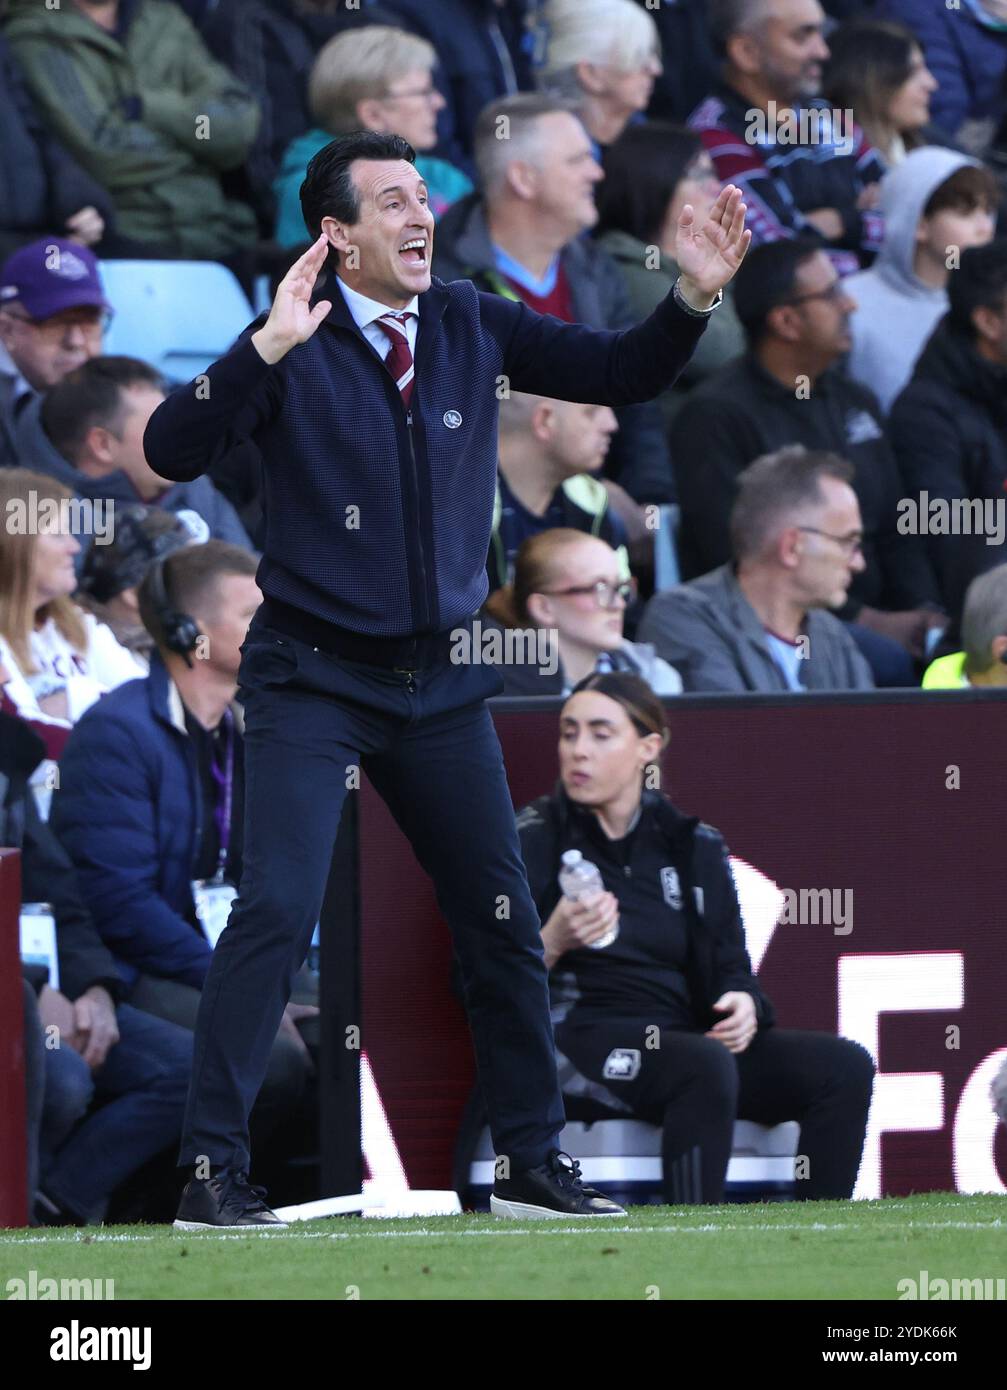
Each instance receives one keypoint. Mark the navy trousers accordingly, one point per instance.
(429, 748)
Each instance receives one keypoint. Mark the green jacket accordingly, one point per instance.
(152, 117)
(724, 337)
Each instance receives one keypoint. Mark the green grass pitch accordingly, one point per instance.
(820, 1250)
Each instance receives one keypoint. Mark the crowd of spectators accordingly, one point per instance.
(854, 375)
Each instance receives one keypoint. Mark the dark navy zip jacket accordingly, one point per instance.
(379, 521)
(129, 812)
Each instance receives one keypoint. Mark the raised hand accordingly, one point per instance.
(291, 318)
(708, 254)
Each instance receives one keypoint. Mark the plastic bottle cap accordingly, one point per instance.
(572, 857)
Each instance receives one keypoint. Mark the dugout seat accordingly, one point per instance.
(623, 1158)
(177, 315)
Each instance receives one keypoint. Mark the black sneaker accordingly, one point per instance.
(555, 1189)
(225, 1200)
(46, 1212)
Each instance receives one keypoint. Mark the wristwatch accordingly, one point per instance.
(683, 303)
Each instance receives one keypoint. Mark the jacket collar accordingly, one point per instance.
(166, 703)
(675, 826)
(431, 304)
(743, 616)
(768, 384)
(473, 249)
(950, 356)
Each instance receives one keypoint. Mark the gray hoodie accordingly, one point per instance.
(896, 311)
(35, 451)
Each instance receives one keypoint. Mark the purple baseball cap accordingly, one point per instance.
(50, 276)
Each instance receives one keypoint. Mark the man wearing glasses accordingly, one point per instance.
(761, 623)
(53, 316)
(790, 388)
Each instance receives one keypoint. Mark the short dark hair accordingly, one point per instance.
(980, 282)
(92, 395)
(970, 187)
(725, 18)
(642, 170)
(328, 190)
(189, 576)
(767, 278)
(775, 484)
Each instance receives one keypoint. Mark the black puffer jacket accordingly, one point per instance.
(949, 431)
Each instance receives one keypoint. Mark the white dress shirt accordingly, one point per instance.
(365, 311)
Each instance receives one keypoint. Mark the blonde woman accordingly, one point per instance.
(375, 78)
(58, 658)
(603, 55)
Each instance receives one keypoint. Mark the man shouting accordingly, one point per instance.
(375, 414)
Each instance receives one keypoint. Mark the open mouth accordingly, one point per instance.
(414, 251)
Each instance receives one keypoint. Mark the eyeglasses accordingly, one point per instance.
(832, 295)
(93, 323)
(604, 592)
(852, 544)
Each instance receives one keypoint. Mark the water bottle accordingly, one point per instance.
(579, 878)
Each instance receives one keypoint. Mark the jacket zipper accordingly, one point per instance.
(419, 534)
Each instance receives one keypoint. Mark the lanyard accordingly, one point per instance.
(224, 778)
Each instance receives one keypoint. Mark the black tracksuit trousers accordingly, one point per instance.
(695, 1089)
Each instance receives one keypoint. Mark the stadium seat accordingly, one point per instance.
(667, 572)
(623, 1158)
(177, 315)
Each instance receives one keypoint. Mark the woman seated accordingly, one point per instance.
(569, 597)
(877, 70)
(59, 659)
(374, 78)
(667, 1020)
(651, 172)
(602, 56)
